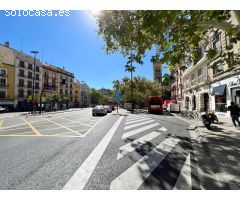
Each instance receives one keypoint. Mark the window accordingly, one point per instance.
(29, 92)
(21, 64)
(29, 84)
(218, 69)
(21, 73)
(37, 68)
(228, 39)
(20, 93)
(230, 59)
(3, 82)
(61, 91)
(54, 76)
(37, 77)
(217, 42)
(66, 92)
(29, 74)
(2, 94)
(29, 66)
(3, 73)
(21, 83)
(37, 85)
(46, 74)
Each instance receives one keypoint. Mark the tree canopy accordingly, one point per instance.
(171, 32)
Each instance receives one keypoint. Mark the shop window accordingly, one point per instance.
(220, 103)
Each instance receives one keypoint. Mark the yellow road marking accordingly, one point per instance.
(32, 127)
(92, 127)
(10, 129)
(64, 127)
(12, 135)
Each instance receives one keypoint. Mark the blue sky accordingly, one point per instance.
(71, 42)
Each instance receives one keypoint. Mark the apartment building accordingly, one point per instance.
(26, 75)
(49, 77)
(65, 82)
(212, 85)
(77, 92)
(225, 86)
(7, 77)
(177, 87)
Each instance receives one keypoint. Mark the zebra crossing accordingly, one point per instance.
(133, 168)
(133, 177)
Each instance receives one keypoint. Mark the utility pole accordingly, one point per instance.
(33, 81)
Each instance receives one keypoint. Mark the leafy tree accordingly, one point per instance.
(94, 96)
(175, 34)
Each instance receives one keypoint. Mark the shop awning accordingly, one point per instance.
(219, 90)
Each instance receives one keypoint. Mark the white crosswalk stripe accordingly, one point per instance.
(138, 124)
(138, 120)
(139, 130)
(133, 177)
(130, 119)
(184, 181)
(124, 150)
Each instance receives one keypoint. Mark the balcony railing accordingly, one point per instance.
(3, 75)
(22, 75)
(4, 85)
(21, 85)
(5, 97)
(22, 66)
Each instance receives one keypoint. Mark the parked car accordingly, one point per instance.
(2, 109)
(99, 110)
(108, 108)
(166, 102)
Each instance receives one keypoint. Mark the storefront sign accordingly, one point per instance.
(234, 83)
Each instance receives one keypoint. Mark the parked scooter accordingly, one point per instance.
(206, 121)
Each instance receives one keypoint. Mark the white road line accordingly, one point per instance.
(138, 120)
(135, 176)
(162, 129)
(184, 181)
(124, 150)
(139, 130)
(135, 118)
(82, 175)
(138, 124)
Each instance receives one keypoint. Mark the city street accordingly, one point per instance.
(74, 150)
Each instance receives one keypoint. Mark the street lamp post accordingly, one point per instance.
(33, 82)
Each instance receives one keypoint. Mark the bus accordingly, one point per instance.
(155, 104)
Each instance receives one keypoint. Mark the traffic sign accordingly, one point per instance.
(118, 96)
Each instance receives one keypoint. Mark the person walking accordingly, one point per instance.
(234, 112)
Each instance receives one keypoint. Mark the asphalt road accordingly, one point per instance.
(74, 150)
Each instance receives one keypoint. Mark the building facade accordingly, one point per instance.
(212, 85)
(65, 84)
(7, 77)
(77, 92)
(27, 71)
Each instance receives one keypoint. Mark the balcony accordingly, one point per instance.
(21, 65)
(4, 85)
(3, 75)
(21, 85)
(29, 86)
(5, 97)
(22, 75)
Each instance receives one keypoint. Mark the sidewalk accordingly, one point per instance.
(218, 154)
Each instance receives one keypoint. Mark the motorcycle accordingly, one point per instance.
(206, 121)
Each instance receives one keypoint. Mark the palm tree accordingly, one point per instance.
(131, 69)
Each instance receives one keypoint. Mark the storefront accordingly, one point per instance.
(235, 90)
(225, 91)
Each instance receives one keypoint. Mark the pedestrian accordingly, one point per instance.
(234, 112)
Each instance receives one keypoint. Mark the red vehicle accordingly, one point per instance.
(155, 104)
(166, 102)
